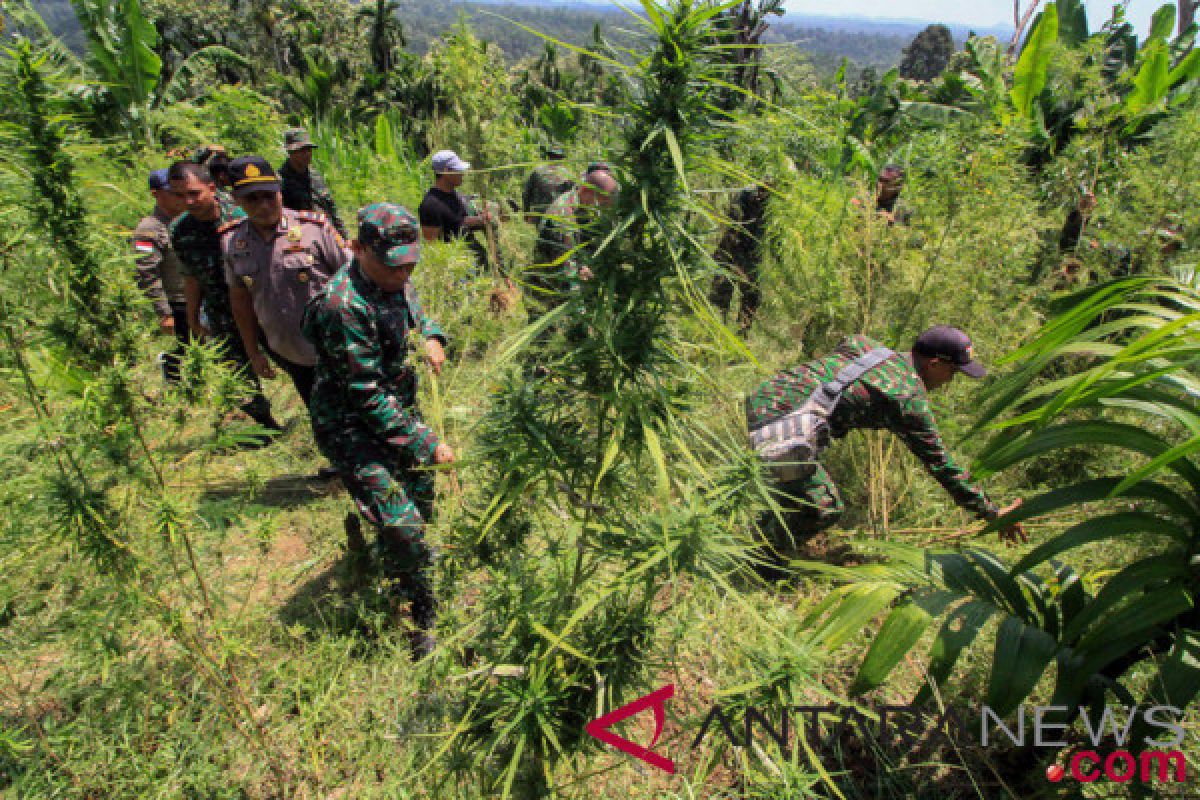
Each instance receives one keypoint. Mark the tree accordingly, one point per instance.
(928, 54)
(385, 34)
(740, 29)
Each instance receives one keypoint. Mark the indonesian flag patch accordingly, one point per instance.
(143, 245)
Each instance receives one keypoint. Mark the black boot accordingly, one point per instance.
(258, 408)
(424, 617)
(358, 554)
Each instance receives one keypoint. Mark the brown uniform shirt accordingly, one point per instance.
(159, 270)
(282, 272)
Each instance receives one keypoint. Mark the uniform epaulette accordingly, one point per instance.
(315, 217)
(228, 226)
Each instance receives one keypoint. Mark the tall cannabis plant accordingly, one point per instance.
(586, 515)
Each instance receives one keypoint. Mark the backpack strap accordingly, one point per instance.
(827, 396)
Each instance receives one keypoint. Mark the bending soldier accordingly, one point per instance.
(881, 389)
(363, 407)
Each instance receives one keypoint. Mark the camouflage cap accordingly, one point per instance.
(392, 233)
(296, 139)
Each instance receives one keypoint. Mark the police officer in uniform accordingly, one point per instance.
(276, 260)
(160, 274)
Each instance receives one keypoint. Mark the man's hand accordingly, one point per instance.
(1013, 534)
(443, 454)
(435, 354)
(166, 324)
(261, 365)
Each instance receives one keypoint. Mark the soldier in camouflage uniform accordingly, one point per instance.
(363, 406)
(544, 185)
(890, 396)
(159, 272)
(303, 187)
(563, 230)
(196, 239)
(740, 252)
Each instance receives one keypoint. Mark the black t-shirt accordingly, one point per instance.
(445, 210)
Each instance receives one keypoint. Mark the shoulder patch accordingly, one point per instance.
(228, 226)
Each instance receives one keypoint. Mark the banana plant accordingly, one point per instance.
(1130, 351)
(121, 80)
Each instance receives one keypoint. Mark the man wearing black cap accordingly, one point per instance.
(303, 187)
(196, 238)
(862, 385)
(276, 260)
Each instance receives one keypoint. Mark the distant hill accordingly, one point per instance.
(825, 40)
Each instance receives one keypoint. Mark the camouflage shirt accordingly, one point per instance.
(561, 232)
(545, 184)
(197, 242)
(890, 397)
(364, 381)
(307, 191)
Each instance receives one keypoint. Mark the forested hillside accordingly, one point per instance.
(424, 20)
(711, 422)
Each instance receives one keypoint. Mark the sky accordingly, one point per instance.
(981, 13)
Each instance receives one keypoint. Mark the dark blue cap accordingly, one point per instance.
(952, 345)
(158, 179)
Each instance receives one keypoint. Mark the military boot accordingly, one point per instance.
(358, 555)
(424, 617)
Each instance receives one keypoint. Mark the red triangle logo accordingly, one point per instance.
(656, 700)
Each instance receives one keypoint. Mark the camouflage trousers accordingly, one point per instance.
(808, 505)
(392, 495)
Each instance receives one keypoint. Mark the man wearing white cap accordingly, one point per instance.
(444, 212)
